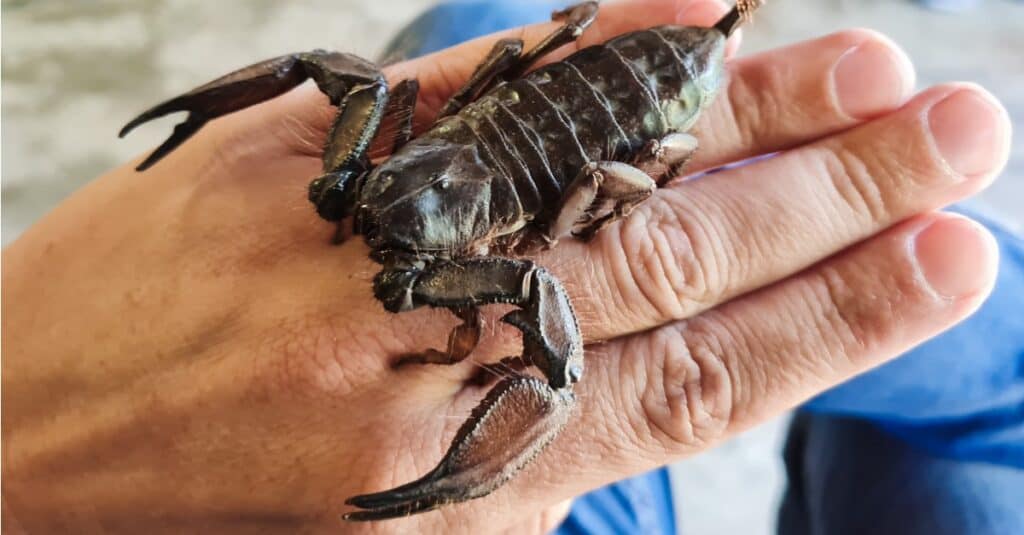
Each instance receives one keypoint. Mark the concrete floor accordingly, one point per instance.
(74, 73)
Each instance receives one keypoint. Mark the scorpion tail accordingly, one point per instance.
(740, 13)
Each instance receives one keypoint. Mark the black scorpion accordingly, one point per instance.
(513, 163)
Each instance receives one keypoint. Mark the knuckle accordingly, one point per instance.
(847, 322)
(861, 304)
(687, 401)
(854, 178)
(673, 262)
(754, 108)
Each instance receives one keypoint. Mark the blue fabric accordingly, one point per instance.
(932, 442)
(456, 21)
(641, 504)
(849, 477)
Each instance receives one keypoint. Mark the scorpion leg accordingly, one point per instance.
(345, 155)
(521, 414)
(400, 109)
(664, 158)
(575, 19)
(461, 341)
(603, 192)
(503, 56)
(334, 73)
(506, 61)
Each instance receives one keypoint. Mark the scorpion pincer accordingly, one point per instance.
(513, 163)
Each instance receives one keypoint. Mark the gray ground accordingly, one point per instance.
(74, 73)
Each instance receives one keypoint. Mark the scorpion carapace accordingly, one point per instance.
(514, 162)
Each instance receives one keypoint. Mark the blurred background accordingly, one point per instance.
(74, 73)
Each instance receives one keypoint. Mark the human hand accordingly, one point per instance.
(185, 350)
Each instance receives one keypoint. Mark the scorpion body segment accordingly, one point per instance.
(513, 163)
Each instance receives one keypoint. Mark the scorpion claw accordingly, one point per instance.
(517, 419)
(385, 513)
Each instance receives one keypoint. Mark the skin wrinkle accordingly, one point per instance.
(749, 254)
(650, 265)
(729, 253)
(859, 326)
(657, 266)
(925, 161)
(855, 185)
(682, 269)
(693, 387)
(680, 375)
(723, 342)
(637, 420)
(879, 170)
(845, 166)
(700, 264)
(632, 376)
(745, 380)
(849, 322)
(776, 371)
(825, 315)
(644, 273)
(302, 348)
(744, 127)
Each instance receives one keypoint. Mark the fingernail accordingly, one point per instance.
(967, 130)
(872, 78)
(952, 255)
(701, 13)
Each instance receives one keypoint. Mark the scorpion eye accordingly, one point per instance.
(444, 183)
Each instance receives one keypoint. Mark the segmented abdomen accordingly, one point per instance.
(602, 103)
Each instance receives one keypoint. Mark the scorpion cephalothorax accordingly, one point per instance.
(513, 162)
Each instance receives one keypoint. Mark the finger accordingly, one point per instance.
(657, 396)
(702, 242)
(785, 97)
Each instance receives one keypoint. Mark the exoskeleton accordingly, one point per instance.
(513, 163)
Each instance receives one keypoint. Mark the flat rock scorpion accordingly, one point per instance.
(513, 163)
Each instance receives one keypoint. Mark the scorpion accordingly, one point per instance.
(514, 161)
